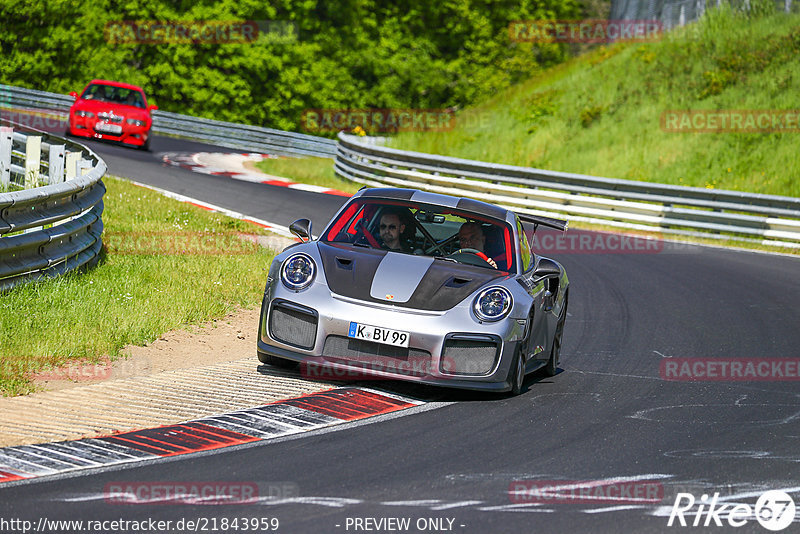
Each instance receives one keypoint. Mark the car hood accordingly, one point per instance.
(403, 280)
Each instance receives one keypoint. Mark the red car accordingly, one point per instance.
(112, 110)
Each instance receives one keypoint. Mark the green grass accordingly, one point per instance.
(599, 114)
(313, 171)
(202, 270)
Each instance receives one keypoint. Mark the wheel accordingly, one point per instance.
(517, 373)
(275, 361)
(555, 351)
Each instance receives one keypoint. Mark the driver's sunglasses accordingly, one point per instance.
(389, 226)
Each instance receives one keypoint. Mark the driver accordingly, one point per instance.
(470, 235)
(390, 230)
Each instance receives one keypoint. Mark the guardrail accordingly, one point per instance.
(239, 136)
(52, 223)
(690, 211)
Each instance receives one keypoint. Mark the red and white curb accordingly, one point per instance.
(232, 165)
(282, 418)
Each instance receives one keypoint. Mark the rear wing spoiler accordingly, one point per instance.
(537, 220)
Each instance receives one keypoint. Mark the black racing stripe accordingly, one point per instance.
(349, 271)
(446, 284)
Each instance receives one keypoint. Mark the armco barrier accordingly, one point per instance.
(51, 203)
(691, 211)
(239, 136)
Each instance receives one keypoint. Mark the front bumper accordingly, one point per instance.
(448, 348)
(87, 127)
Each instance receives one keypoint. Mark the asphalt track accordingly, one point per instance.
(448, 466)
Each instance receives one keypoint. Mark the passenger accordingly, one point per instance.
(132, 99)
(390, 229)
(470, 235)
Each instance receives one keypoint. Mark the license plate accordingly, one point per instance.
(378, 334)
(108, 128)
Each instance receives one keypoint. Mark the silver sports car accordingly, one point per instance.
(410, 285)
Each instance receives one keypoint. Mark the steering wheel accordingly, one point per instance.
(474, 251)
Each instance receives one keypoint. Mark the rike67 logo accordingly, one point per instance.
(774, 510)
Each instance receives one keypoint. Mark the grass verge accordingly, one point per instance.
(165, 265)
(309, 170)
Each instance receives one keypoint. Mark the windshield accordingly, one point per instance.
(111, 93)
(425, 230)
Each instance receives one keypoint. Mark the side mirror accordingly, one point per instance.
(73, 94)
(302, 229)
(151, 107)
(545, 269)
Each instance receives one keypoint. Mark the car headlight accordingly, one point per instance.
(135, 122)
(493, 304)
(298, 271)
(81, 113)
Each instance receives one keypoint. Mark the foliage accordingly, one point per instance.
(350, 54)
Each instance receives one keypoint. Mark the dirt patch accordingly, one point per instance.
(218, 341)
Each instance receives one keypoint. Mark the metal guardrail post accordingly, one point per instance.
(71, 169)
(85, 167)
(54, 228)
(56, 164)
(6, 140)
(33, 160)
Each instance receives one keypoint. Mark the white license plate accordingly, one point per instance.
(108, 128)
(378, 334)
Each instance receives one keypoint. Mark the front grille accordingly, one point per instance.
(110, 117)
(293, 325)
(469, 355)
(377, 356)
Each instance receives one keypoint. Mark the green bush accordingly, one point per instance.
(352, 54)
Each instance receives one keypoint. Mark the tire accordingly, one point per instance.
(516, 374)
(555, 351)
